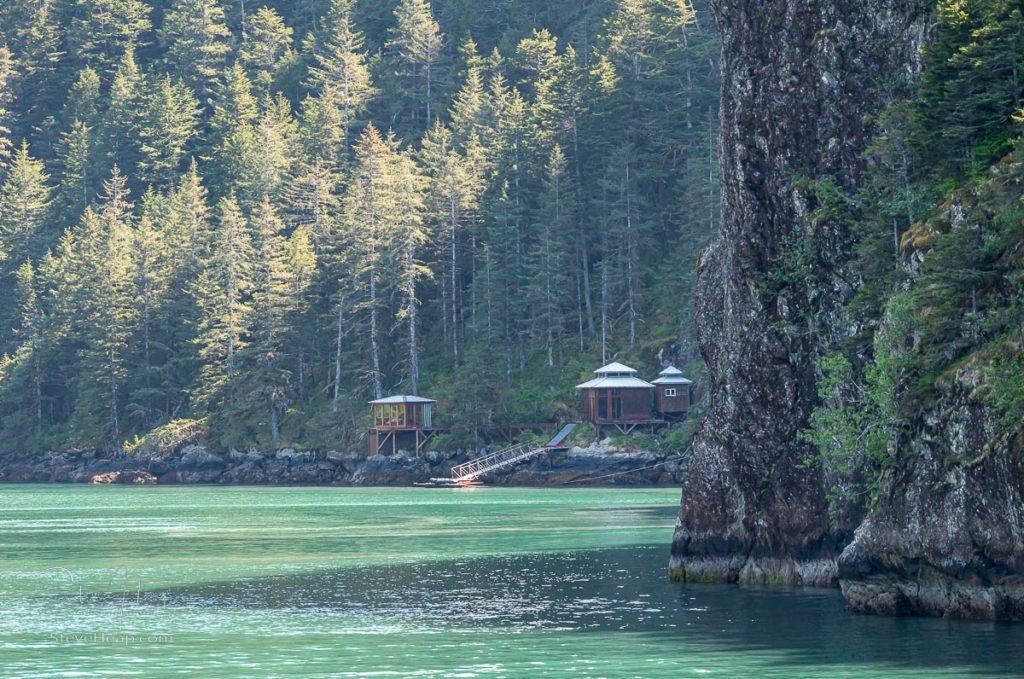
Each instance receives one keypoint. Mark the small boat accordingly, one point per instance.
(448, 483)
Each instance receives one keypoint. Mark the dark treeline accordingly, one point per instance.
(264, 213)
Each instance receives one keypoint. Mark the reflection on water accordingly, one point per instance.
(533, 583)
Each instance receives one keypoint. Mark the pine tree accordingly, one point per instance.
(267, 47)
(339, 66)
(222, 294)
(31, 331)
(197, 41)
(170, 122)
(107, 315)
(24, 207)
(102, 29)
(417, 43)
(6, 76)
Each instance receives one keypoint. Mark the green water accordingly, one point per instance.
(325, 582)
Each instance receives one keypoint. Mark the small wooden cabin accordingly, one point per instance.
(401, 423)
(618, 398)
(673, 394)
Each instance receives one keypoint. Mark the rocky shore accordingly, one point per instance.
(595, 465)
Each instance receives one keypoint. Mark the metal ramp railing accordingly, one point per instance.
(474, 469)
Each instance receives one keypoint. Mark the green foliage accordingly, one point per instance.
(308, 204)
(1007, 382)
(679, 440)
(794, 265)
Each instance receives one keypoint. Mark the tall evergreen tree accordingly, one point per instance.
(102, 29)
(267, 47)
(24, 208)
(169, 124)
(417, 42)
(339, 66)
(6, 76)
(197, 41)
(107, 314)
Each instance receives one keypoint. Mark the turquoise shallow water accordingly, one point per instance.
(341, 582)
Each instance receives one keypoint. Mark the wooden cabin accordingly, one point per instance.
(673, 394)
(618, 398)
(401, 423)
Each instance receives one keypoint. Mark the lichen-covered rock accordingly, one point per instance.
(947, 538)
(800, 81)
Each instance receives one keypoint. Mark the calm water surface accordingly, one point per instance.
(325, 582)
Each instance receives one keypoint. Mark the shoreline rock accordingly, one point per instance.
(947, 536)
(194, 464)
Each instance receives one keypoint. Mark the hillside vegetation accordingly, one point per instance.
(266, 213)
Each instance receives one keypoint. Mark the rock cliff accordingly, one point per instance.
(801, 80)
(948, 536)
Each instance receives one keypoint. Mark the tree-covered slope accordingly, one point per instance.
(264, 213)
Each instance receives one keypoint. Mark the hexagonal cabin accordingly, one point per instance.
(401, 422)
(618, 398)
(673, 394)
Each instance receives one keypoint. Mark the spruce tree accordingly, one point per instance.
(76, 154)
(267, 47)
(197, 41)
(124, 119)
(24, 208)
(267, 378)
(339, 66)
(223, 296)
(417, 43)
(169, 124)
(31, 333)
(101, 30)
(6, 78)
(106, 315)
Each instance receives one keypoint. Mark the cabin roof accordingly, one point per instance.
(390, 400)
(671, 375)
(615, 369)
(616, 382)
(672, 380)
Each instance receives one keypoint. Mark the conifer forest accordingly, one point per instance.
(260, 215)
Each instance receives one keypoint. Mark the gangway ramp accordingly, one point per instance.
(558, 442)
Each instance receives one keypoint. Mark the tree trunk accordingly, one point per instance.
(337, 354)
(378, 387)
(454, 290)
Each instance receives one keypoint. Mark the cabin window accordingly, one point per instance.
(670, 393)
(390, 415)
